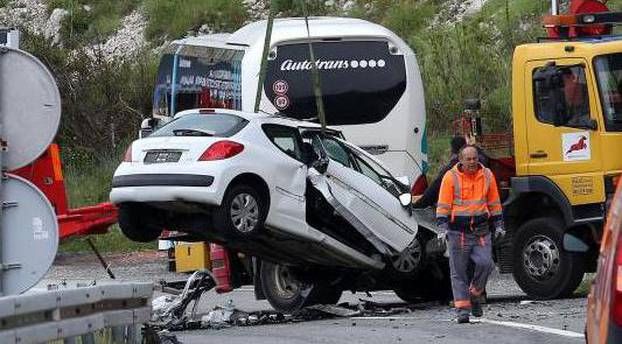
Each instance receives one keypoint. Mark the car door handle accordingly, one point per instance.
(538, 155)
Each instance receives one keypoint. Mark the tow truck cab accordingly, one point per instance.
(567, 133)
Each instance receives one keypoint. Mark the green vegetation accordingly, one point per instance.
(586, 285)
(90, 21)
(171, 19)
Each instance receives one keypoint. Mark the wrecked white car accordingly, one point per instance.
(322, 215)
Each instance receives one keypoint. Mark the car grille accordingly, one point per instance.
(155, 157)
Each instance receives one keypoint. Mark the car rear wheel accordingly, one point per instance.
(242, 211)
(287, 293)
(542, 268)
(134, 225)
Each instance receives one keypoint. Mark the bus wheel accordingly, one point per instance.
(542, 268)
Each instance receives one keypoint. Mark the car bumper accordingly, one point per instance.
(134, 180)
(165, 188)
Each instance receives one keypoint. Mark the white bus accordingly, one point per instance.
(370, 82)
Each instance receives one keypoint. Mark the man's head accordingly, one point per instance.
(469, 159)
(456, 143)
(573, 89)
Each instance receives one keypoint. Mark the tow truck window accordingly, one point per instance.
(575, 100)
(609, 76)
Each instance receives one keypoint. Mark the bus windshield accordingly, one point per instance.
(205, 77)
(361, 81)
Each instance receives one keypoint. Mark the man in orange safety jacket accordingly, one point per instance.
(468, 204)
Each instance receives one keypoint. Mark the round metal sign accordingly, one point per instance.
(30, 107)
(28, 235)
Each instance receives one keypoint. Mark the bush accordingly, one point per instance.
(103, 99)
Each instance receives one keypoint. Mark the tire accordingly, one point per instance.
(542, 269)
(287, 294)
(242, 211)
(133, 225)
(281, 287)
(324, 296)
(428, 286)
(408, 295)
(408, 264)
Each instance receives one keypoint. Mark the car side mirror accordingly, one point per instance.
(406, 199)
(148, 126)
(321, 165)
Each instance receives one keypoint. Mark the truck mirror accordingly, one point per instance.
(550, 87)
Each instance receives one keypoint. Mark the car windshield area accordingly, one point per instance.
(609, 75)
(219, 125)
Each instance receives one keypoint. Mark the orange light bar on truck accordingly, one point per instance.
(583, 19)
(56, 163)
(551, 21)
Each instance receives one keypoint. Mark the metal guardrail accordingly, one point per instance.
(69, 314)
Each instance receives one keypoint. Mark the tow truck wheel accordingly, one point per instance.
(242, 211)
(542, 268)
(133, 224)
(286, 293)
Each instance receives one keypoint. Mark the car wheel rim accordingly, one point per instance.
(541, 258)
(244, 212)
(286, 284)
(409, 260)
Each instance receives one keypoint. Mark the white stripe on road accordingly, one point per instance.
(538, 328)
(531, 327)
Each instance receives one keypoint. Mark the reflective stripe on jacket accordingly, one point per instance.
(468, 199)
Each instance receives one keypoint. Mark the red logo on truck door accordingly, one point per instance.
(578, 146)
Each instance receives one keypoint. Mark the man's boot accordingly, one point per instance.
(463, 316)
(476, 306)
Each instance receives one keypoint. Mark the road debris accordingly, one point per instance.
(169, 312)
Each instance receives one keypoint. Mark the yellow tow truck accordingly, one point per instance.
(567, 149)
